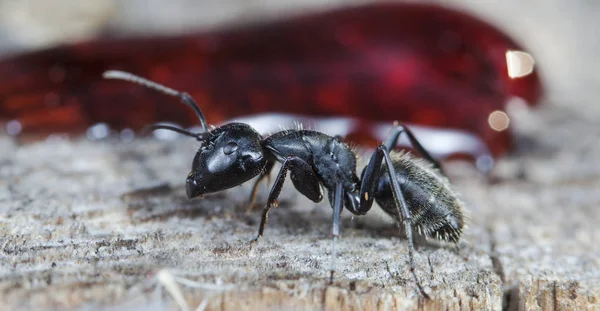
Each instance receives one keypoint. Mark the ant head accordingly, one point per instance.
(230, 156)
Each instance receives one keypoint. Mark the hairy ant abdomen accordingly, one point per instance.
(435, 208)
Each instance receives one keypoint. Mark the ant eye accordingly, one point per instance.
(230, 148)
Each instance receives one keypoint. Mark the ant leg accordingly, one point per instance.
(338, 202)
(372, 171)
(304, 179)
(369, 183)
(392, 140)
(265, 174)
(402, 209)
(272, 200)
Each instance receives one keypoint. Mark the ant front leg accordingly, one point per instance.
(305, 180)
(392, 140)
(265, 174)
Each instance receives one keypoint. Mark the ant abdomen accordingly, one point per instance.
(434, 207)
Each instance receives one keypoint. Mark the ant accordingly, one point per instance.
(411, 190)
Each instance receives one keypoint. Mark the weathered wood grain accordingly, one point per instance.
(88, 224)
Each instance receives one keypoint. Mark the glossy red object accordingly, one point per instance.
(409, 62)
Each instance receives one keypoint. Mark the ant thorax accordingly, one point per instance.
(332, 159)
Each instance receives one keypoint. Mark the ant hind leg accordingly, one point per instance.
(403, 212)
(392, 141)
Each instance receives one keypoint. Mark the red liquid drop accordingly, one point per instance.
(413, 63)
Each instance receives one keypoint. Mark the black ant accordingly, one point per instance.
(411, 190)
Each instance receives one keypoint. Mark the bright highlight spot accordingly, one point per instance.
(519, 64)
(98, 131)
(498, 120)
(13, 128)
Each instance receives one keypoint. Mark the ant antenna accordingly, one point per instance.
(198, 136)
(184, 97)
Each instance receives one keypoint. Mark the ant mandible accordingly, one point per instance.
(413, 191)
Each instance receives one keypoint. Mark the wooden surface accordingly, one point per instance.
(88, 224)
